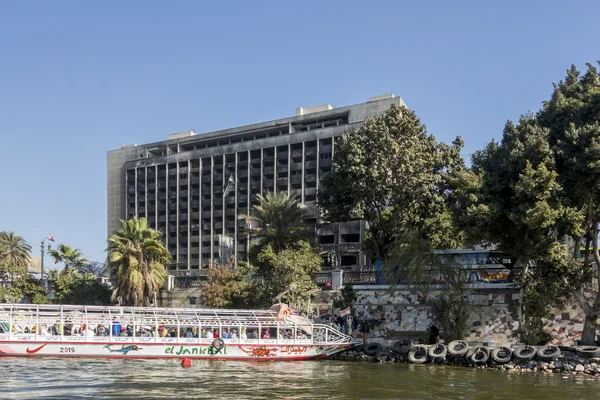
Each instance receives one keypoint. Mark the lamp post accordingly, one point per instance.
(49, 238)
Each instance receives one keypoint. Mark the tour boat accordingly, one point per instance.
(146, 332)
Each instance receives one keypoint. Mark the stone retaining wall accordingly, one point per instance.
(404, 313)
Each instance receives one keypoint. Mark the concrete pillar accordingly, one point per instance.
(337, 280)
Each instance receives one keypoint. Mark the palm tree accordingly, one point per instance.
(14, 251)
(72, 258)
(278, 220)
(136, 261)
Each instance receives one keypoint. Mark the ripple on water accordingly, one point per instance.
(161, 379)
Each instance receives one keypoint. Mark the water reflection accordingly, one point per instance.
(64, 378)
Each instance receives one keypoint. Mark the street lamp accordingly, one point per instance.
(49, 238)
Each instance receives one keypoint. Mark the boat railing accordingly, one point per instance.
(303, 334)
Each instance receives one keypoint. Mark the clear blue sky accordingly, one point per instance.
(78, 78)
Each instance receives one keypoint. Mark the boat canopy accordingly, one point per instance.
(138, 316)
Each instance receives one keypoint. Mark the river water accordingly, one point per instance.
(26, 378)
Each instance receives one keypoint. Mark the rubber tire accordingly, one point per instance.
(498, 359)
(457, 353)
(431, 352)
(382, 355)
(474, 355)
(218, 343)
(400, 348)
(548, 352)
(566, 348)
(588, 351)
(418, 349)
(359, 348)
(372, 348)
(524, 353)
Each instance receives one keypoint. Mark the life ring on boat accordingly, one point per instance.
(417, 354)
(548, 352)
(588, 351)
(478, 355)
(501, 355)
(458, 348)
(372, 348)
(524, 353)
(218, 343)
(437, 351)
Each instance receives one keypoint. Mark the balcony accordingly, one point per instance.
(310, 164)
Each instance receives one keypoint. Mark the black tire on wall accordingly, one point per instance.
(524, 353)
(458, 348)
(417, 354)
(501, 355)
(548, 352)
(478, 355)
(372, 348)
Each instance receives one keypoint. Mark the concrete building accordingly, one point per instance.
(192, 187)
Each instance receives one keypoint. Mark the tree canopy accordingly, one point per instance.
(536, 195)
(393, 174)
(14, 250)
(137, 261)
(70, 257)
(278, 220)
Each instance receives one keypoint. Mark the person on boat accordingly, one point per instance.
(243, 334)
(209, 334)
(253, 334)
(188, 333)
(266, 335)
(216, 334)
(116, 327)
(123, 332)
(68, 329)
(233, 334)
(57, 327)
(194, 333)
(87, 332)
(225, 334)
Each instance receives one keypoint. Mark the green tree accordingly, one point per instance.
(73, 287)
(394, 175)
(71, 258)
(14, 251)
(289, 274)
(278, 221)
(347, 297)
(228, 286)
(137, 261)
(536, 195)
(32, 289)
(439, 278)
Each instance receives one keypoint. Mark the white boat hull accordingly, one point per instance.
(127, 347)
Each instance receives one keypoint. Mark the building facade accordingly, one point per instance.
(193, 187)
